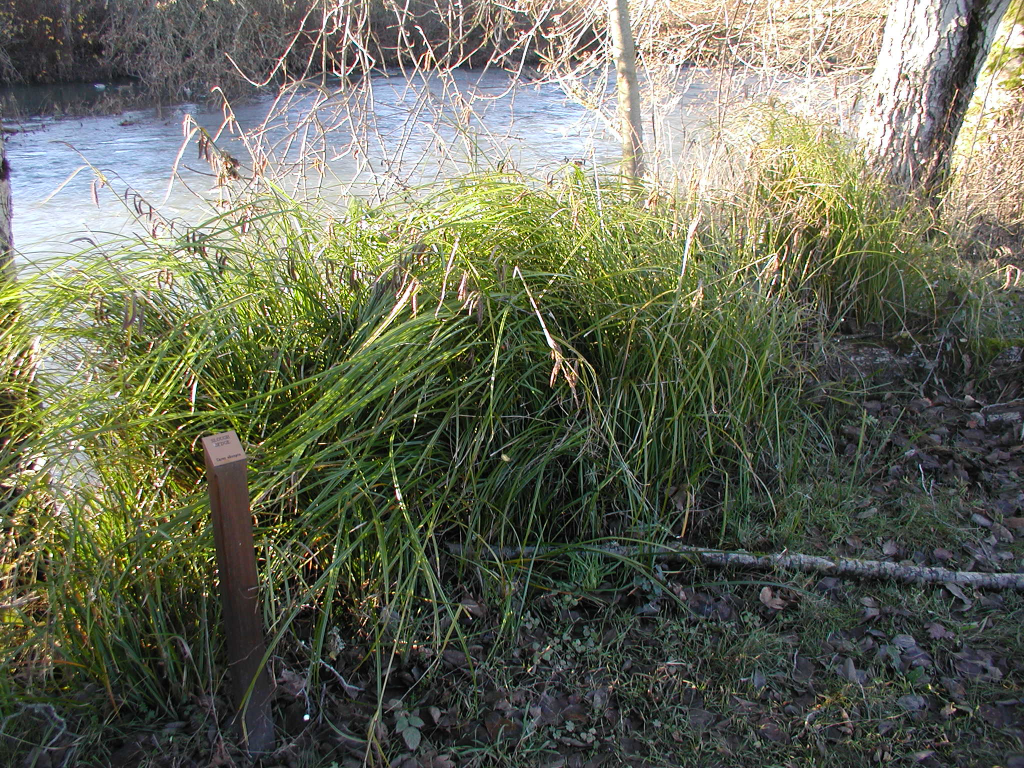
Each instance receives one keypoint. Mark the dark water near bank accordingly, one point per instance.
(84, 177)
(19, 102)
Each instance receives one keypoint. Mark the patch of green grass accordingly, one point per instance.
(496, 365)
(496, 362)
(690, 688)
(822, 225)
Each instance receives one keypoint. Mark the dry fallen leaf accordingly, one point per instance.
(456, 658)
(912, 702)
(954, 688)
(473, 607)
(1002, 533)
(575, 712)
(850, 672)
(772, 732)
(769, 599)
(700, 719)
(803, 669)
(499, 726)
(759, 681)
(996, 716)
(955, 590)
(976, 664)
(871, 608)
(291, 683)
(911, 651)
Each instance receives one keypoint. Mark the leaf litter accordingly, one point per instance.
(805, 671)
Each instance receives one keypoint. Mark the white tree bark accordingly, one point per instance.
(932, 52)
(627, 89)
(841, 566)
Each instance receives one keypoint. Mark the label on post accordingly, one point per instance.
(224, 448)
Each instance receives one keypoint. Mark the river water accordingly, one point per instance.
(90, 176)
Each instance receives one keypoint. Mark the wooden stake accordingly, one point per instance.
(226, 467)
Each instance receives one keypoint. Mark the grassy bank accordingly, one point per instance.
(495, 362)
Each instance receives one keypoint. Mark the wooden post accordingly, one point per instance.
(226, 468)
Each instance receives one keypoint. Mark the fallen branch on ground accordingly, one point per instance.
(785, 561)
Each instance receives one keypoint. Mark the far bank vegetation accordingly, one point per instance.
(186, 47)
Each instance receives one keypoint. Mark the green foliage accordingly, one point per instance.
(495, 362)
(496, 365)
(822, 225)
(24, 508)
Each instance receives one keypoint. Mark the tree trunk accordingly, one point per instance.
(6, 236)
(932, 52)
(627, 90)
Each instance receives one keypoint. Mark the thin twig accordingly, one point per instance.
(352, 690)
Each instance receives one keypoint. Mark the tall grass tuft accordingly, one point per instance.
(820, 224)
(26, 509)
(496, 364)
(493, 362)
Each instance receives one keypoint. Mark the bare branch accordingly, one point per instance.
(784, 561)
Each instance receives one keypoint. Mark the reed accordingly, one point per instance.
(495, 361)
(818, 222)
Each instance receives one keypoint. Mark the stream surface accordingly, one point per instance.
(371, 139)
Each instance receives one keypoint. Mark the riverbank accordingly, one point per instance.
(503, 361)
(183, 49)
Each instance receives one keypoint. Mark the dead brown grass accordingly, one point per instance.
(988, 198)
(188, 45)
(820, 36)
